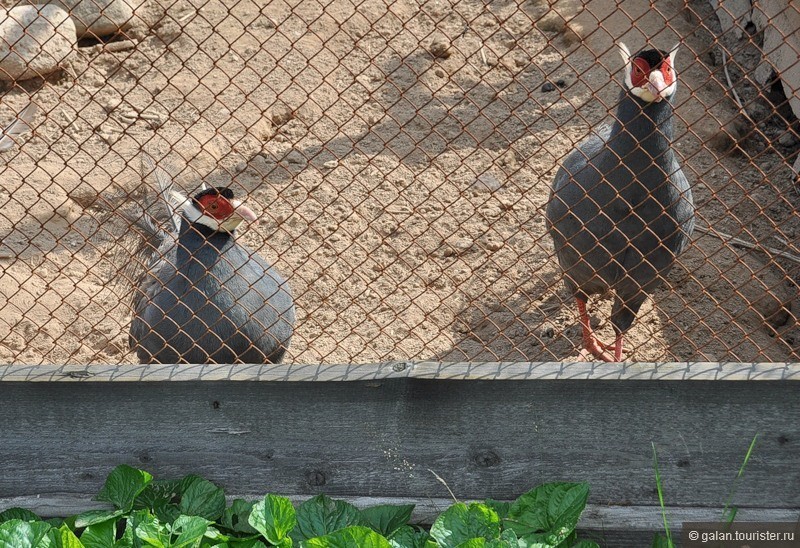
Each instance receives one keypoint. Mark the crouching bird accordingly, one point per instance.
(204, 298)
(621, 209)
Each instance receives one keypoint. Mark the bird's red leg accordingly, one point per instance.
(618, 348)
(590, 341)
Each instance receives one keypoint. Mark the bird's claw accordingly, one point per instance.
(594, 349)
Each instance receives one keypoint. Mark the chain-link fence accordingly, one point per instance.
(400, 158)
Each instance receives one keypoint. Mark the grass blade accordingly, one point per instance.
(729, 513)
(670, 544)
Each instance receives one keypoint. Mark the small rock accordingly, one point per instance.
(788, 139)
(296, 157)
(34, 41)
(486, 181)
(456, 246)
(561, 83)
(330, 164)
(548, 87)
(99, 17)
(573, 33)
(552, 22)
(281, 114)
(440, 48)
(439, 72)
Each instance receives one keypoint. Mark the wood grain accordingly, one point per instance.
(694, 371)
(379, 438)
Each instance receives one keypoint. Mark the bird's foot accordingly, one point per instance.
(613, 347)
(594, 349)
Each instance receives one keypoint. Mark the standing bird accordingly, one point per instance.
(621, 210)
(205, 298)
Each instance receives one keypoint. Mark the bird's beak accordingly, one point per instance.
(243, 212)
(240, 213)
(656, 85)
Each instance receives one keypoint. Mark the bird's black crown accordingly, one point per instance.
(216, 191)
(654, 57)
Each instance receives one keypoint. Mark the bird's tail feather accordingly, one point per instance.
(173, 199)
(23, 124)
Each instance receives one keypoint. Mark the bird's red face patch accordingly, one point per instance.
(666, 70)
(217, 206)
(640, 72)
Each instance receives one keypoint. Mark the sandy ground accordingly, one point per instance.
(400, 157)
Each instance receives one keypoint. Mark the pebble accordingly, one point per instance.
(330, 164)
(439, 48)
(486, 181)
(561, 83)
(296, 157)
(457, 246)
(788, 139)
(99, 17)
(548, 87)
(34, 41)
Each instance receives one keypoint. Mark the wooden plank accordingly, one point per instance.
(381, 438)
(617, 526)
(693, 371)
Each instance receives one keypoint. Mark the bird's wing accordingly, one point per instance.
(23, 124)
(157, 272)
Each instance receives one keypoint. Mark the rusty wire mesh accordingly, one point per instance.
(400, 156)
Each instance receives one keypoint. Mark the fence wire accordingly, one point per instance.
(399, 157)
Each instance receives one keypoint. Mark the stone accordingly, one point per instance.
(34, 41)
(99, 17)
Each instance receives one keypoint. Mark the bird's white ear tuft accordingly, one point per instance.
(673, 53)
(625, 53)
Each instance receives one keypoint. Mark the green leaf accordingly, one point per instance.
(387, 518)
(95, 516)
(166, 512)
(349, 537)
(65, 538)
(508, 539)
(321, 515)
(16, 533)
(549, 513)
(274, 517)
(159, 493)
(18, 513)
(498, 506)
(123, 485)
(479, 542)
(148, 531)
(190, 530)
(661, 541)
(461, 523)
(202, 498)
(409, 537)
(241, 543)
(100, 535)
(235, 518)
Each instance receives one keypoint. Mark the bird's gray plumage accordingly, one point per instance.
(204, 298)
(621, 209)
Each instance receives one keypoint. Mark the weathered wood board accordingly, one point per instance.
(381, 438)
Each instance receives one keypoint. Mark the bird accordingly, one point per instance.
(203, 297)
(620, 209)
(22, 124)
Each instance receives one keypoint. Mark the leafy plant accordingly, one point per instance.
(193, 513)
